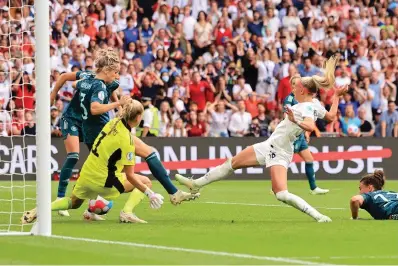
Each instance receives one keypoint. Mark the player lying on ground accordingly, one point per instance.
(377, 202)
(94, 98)
(301, 144)
(71, 126)
(276, 153)
(113, 152)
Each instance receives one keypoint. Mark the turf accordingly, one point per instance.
(257, 225)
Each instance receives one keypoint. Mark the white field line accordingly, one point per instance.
(260, 205)
(345, 257)
(188, 250)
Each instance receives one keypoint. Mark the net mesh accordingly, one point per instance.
(17, 114)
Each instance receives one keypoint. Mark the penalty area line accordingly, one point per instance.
(189, 250)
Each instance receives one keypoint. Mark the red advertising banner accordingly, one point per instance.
(335, 158)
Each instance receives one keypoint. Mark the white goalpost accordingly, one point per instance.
(16, 193)
(43, 132)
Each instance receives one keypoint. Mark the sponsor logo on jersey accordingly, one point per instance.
(130, 156)
(101, 95)
(73, 128)
(85, 85)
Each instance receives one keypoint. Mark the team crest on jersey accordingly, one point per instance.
(101, 95)
(130, 156)
(73, 128)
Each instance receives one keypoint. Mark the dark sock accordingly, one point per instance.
(309, 171)
(160, 173)
(66, 173)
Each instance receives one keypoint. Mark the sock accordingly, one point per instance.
(66, 173)
(158, 171)
(134, 199)
(309, 171)
(61, 204)
(298, 203)
(216, 174)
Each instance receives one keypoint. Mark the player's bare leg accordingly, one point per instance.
(245, 158)
(159, 172)
(279, 186)
(72, 148)
(310, 173)
(65, 203)
(127, 215)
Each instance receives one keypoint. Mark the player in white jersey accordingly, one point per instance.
(276, 153)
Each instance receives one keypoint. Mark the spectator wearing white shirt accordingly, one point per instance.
(242, 89)
(5, 91)
(81, 37)
(5, 119)
(291, 21)
(273, 21)
(65, 66)
(365, 96)
(317, 31)
(177, 86)
(220, 118)
(240, 121)
(188, 24)
(265, 82)
(126, 80)
(111, 8)
(177, 130)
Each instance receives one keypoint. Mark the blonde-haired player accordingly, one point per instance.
(113, 153)
(276, 153)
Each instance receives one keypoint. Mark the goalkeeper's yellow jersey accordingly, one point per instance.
(112, 150)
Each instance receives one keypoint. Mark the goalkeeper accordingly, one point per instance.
(113, 152)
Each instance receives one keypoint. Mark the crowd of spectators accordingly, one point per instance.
(212, 67)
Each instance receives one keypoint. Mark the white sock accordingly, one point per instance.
(216, 174)
(298, 203)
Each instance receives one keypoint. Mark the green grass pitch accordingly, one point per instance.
(257, 229)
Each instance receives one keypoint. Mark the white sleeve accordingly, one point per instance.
(307, 110)
(148, 118)
(320, 110)
(248, 88)
(235, 89)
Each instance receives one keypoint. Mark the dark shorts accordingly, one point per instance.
(300, 144)
(71, 127)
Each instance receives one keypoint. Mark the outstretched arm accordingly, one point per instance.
(355, 203)
(331, 115)
(60, 82)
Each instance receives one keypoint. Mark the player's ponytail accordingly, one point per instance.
(326, 82)
(380, 177)
(377, 180)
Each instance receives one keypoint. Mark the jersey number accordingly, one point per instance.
(85, 113)
(95, 149)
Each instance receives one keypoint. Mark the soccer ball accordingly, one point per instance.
(100, 206)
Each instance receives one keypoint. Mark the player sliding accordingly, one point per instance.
(381, 204)
(94, 99)
(71, 126)
(113, 152)
(277, 151)
(301, 144)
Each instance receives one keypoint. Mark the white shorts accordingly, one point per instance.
(270, 155)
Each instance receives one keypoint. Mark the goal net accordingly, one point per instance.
(22, 115)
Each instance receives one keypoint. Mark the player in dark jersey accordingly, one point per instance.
(71, 126)
(380, 204)
(94, 98)
(301, 144)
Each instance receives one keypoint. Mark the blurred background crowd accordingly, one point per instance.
(211, 67)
